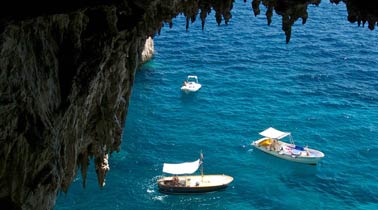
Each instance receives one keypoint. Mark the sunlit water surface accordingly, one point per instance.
(322, 87)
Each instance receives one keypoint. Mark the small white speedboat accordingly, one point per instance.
(272, 145)
(191, 84)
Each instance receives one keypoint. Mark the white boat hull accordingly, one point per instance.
(194, 184)
(289, 152)
(191, 87)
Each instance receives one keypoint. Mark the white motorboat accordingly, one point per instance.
(191, 84)
(272, 145)
(186, 183)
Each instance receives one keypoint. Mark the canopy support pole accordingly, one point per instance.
(201, 162)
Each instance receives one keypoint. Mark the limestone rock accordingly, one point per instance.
(148, 51)
(66, 73)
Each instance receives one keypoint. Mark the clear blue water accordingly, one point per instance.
(322, 86)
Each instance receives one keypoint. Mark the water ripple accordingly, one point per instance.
(322, 87)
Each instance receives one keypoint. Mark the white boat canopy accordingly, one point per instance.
(181, 168)
(274, 133)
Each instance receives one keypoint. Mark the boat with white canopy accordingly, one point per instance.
(191, 84)
(272, 145)
(183, 182)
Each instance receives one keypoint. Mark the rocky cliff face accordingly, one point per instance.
(66, 74)
(66, 81)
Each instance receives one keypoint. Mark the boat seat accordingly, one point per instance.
(299, 148)
(266, 142)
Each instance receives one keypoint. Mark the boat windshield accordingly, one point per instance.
(192, 79)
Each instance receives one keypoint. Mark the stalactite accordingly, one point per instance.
(84, 162)
(102, 167)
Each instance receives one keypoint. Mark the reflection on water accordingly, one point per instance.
(188, 98)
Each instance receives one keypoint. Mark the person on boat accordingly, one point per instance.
(278, 146)
(175, 180)
(270, 145)
(304, 153)
(273, 146)
(307, 152)
(184, 83)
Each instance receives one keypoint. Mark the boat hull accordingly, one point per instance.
(194, 184)
(307, 156)
(191, 87)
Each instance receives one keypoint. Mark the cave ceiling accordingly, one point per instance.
(360, 12)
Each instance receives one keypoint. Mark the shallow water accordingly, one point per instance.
(322, 87)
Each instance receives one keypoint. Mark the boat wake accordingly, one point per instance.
(151, 189)
(159, 197)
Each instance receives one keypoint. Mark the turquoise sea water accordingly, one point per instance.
(322, 87)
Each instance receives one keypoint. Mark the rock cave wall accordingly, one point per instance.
(67, 70)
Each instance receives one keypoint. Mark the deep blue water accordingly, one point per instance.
(322, 86)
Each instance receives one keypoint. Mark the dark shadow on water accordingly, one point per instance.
(188, 97)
